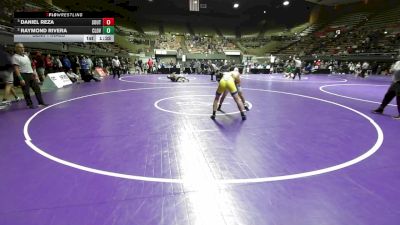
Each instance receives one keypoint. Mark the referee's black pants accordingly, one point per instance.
(297, 71)
(116, 71)
(393, 91)
(30, 82)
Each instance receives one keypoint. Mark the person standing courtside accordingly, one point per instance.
(393, 91)
(116, 67)
(6, 73)
(297, 64)
(28, 79)
(213, 69)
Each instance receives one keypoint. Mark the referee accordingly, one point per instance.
(297, 64)
(28, 79)
(393, 91)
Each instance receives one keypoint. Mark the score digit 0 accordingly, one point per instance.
(108, 21)
(108, 30)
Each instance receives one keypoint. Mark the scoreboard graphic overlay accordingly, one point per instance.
(63, 27)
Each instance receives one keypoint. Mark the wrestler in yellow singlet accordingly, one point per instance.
(227, 82)
(236, 76)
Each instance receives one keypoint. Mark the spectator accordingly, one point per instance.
(72, 76)
(66, 64)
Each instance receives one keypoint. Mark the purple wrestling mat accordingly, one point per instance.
(143, 150)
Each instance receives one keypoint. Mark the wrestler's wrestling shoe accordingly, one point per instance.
(246, 106)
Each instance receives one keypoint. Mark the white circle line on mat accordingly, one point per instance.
(368, 153)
